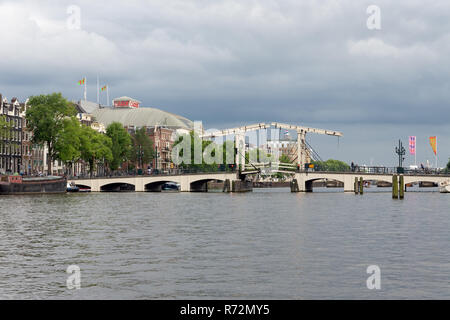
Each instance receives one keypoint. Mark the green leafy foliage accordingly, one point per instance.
(5, 129)
(68, 142)
(197, 164)
(95, 147)
(142, 149)
(45, 118)
(259, 155)
(285, 159)
(331, 165)
(121, 144)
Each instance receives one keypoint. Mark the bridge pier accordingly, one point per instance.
(139, 185)
(349, 183)
(241, 186)
(227, 186)
(294, 186)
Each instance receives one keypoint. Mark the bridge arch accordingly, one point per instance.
(201, 185)
(379, 181)
(157, 186)
(117, 187)
(309, 182)
(422, 183)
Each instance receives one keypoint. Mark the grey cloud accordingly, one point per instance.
(234, 62)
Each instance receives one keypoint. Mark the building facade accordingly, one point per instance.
(163, 140)
(11, 140)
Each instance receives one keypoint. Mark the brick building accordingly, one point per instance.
(163, 140)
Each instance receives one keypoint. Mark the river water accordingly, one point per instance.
(268, 244)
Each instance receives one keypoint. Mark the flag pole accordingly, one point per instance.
(436, 154)
(85, 89)
(415, 154)
(107, 95)
(415, 151)
(98, 93)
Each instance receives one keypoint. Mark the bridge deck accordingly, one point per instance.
(186, 181)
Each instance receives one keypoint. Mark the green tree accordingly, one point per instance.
(5, 130)
(197, 163)
(121, 144)
(447, 169)
(142, 150)
(68, 142)
(285, 159)
(45, 118)
(228, 147)
(259, 155)
(95, 148)
(331, 165)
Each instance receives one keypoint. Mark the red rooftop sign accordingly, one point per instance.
(126, 102)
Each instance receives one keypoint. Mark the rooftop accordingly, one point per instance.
(141, 117)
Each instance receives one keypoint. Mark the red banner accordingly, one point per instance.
(412, 145)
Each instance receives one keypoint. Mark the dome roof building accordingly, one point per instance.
(128, 112)
(141, 117)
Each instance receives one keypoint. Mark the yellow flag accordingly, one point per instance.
(433, 144)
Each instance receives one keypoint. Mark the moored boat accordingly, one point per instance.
(444, 187)
(170, 187)
(33, 185)
(72, 187)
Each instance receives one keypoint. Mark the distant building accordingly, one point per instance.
(163, 140)
(159, 125)
(27, 145)
(11, 143)
(278, 148)
(84, 115)
(131, 117)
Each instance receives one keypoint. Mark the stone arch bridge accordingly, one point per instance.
(305, 179)
(198, 181)
(187, 182)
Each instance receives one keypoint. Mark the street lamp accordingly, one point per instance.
(400, 150)
(140, 156)
(156, 157)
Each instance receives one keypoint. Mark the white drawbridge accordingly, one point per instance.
(303, 152)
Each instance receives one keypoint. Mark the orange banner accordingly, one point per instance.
(433, 144)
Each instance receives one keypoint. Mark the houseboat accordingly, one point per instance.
(34, 185)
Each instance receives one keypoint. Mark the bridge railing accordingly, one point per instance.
(288, 167)
(153, 173)
(385, 170)
(271, 165)
(279, 167)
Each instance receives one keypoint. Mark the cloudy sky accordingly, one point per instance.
(236, 62)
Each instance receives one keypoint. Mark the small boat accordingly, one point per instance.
(170, 187)
(17, 184)
(444, 187)
(72, 187)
